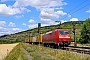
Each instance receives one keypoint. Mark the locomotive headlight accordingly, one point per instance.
(61, 37)
(67, 37)
(64, 37)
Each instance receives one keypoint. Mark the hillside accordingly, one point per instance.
(17, 37)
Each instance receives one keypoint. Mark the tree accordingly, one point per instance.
(85, 32)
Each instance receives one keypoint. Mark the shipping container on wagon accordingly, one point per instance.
(39, 38)
(27, 40)
(34, 39)
(31, 39)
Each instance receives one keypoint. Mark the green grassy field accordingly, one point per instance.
(44, 53)
(16, 54)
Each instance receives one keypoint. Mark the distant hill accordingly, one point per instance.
(25, 34)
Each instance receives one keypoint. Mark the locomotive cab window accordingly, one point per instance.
(63, 32)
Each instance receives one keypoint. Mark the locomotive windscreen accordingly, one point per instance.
(63, 32)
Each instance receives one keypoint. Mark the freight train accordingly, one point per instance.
(57, 37)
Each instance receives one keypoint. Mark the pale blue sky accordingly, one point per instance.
(19, 15)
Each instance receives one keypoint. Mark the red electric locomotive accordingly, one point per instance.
(59, 37)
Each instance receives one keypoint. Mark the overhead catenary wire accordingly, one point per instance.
(77, 6)
(76, 10)
(80, 8)
(83, 16)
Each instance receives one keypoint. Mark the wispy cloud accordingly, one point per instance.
(2, 23)
(11, 24)
(31, 21)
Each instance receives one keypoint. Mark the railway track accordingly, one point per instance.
(84, 50)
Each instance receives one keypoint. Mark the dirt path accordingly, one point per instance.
(28, 55)
(5, 49)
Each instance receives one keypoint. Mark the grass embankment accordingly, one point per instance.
(44, 53)
(16, 54)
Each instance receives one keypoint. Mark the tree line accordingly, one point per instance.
(85, 32)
